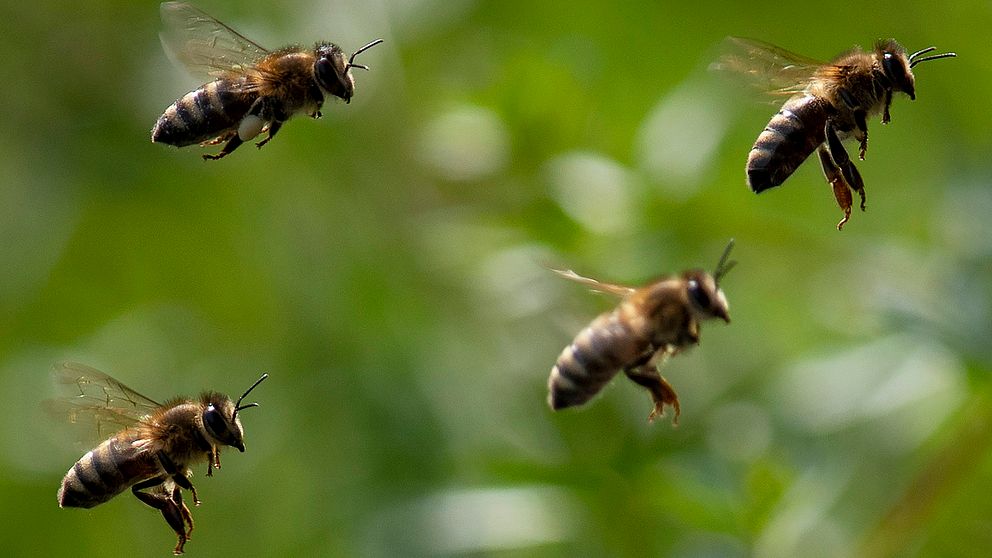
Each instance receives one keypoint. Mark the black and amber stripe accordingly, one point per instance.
(788, 139)
(204, 114)
(596, 355)
(105, 472)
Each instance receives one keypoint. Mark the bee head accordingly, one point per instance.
(220, 417)
(705, 297)
(895, 67)
(706, 300)
(898, 67)
(333, 72)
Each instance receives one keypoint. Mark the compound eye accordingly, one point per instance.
(898, 73)
(331, 80)
(326, 73)
(215, 423)
(895, 70)
(699, 295)
(892, 66)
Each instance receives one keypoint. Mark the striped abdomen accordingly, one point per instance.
(598, 352)
(105, 472)
(203, 114)
(788, 139)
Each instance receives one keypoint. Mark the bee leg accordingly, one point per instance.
(213, 460)
(218, 140)
(842, 160)
(885, 111)
(662, 393)
(230, 146)
(266, 113)
(171, 511)
(836, 179)
(177, 498)
(860, 120)
(179, 477)
(273, 128)
(263, 112)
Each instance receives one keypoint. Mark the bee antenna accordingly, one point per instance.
(913, 62)
(238, 406)
(351, 61)
(724, 265)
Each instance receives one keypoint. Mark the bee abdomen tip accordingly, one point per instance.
(760, 180)
(559, 398)
(162, 133)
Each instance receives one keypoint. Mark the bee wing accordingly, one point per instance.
(203, 45)
(95, 401)
(766, 66)
(608, 288)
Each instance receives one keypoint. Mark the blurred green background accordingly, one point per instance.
(387, 265)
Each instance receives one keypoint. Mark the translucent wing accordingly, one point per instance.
(766, 66)
(98, 403)
(608, 288)
(203, 45)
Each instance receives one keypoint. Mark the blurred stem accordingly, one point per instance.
(964, 449)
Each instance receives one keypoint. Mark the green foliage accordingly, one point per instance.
(387, 265)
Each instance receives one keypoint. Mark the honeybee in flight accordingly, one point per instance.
(253, 90)
(152, 451)
(651, 323)
(828, 103)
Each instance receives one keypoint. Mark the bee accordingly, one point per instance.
(650, 324)
(151, 455)
(254, 90)
(828, 103)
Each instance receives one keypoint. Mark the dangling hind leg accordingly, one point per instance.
(645, 374)
(175, 514)
(842, 192)
(231, 145)
(842, 160)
